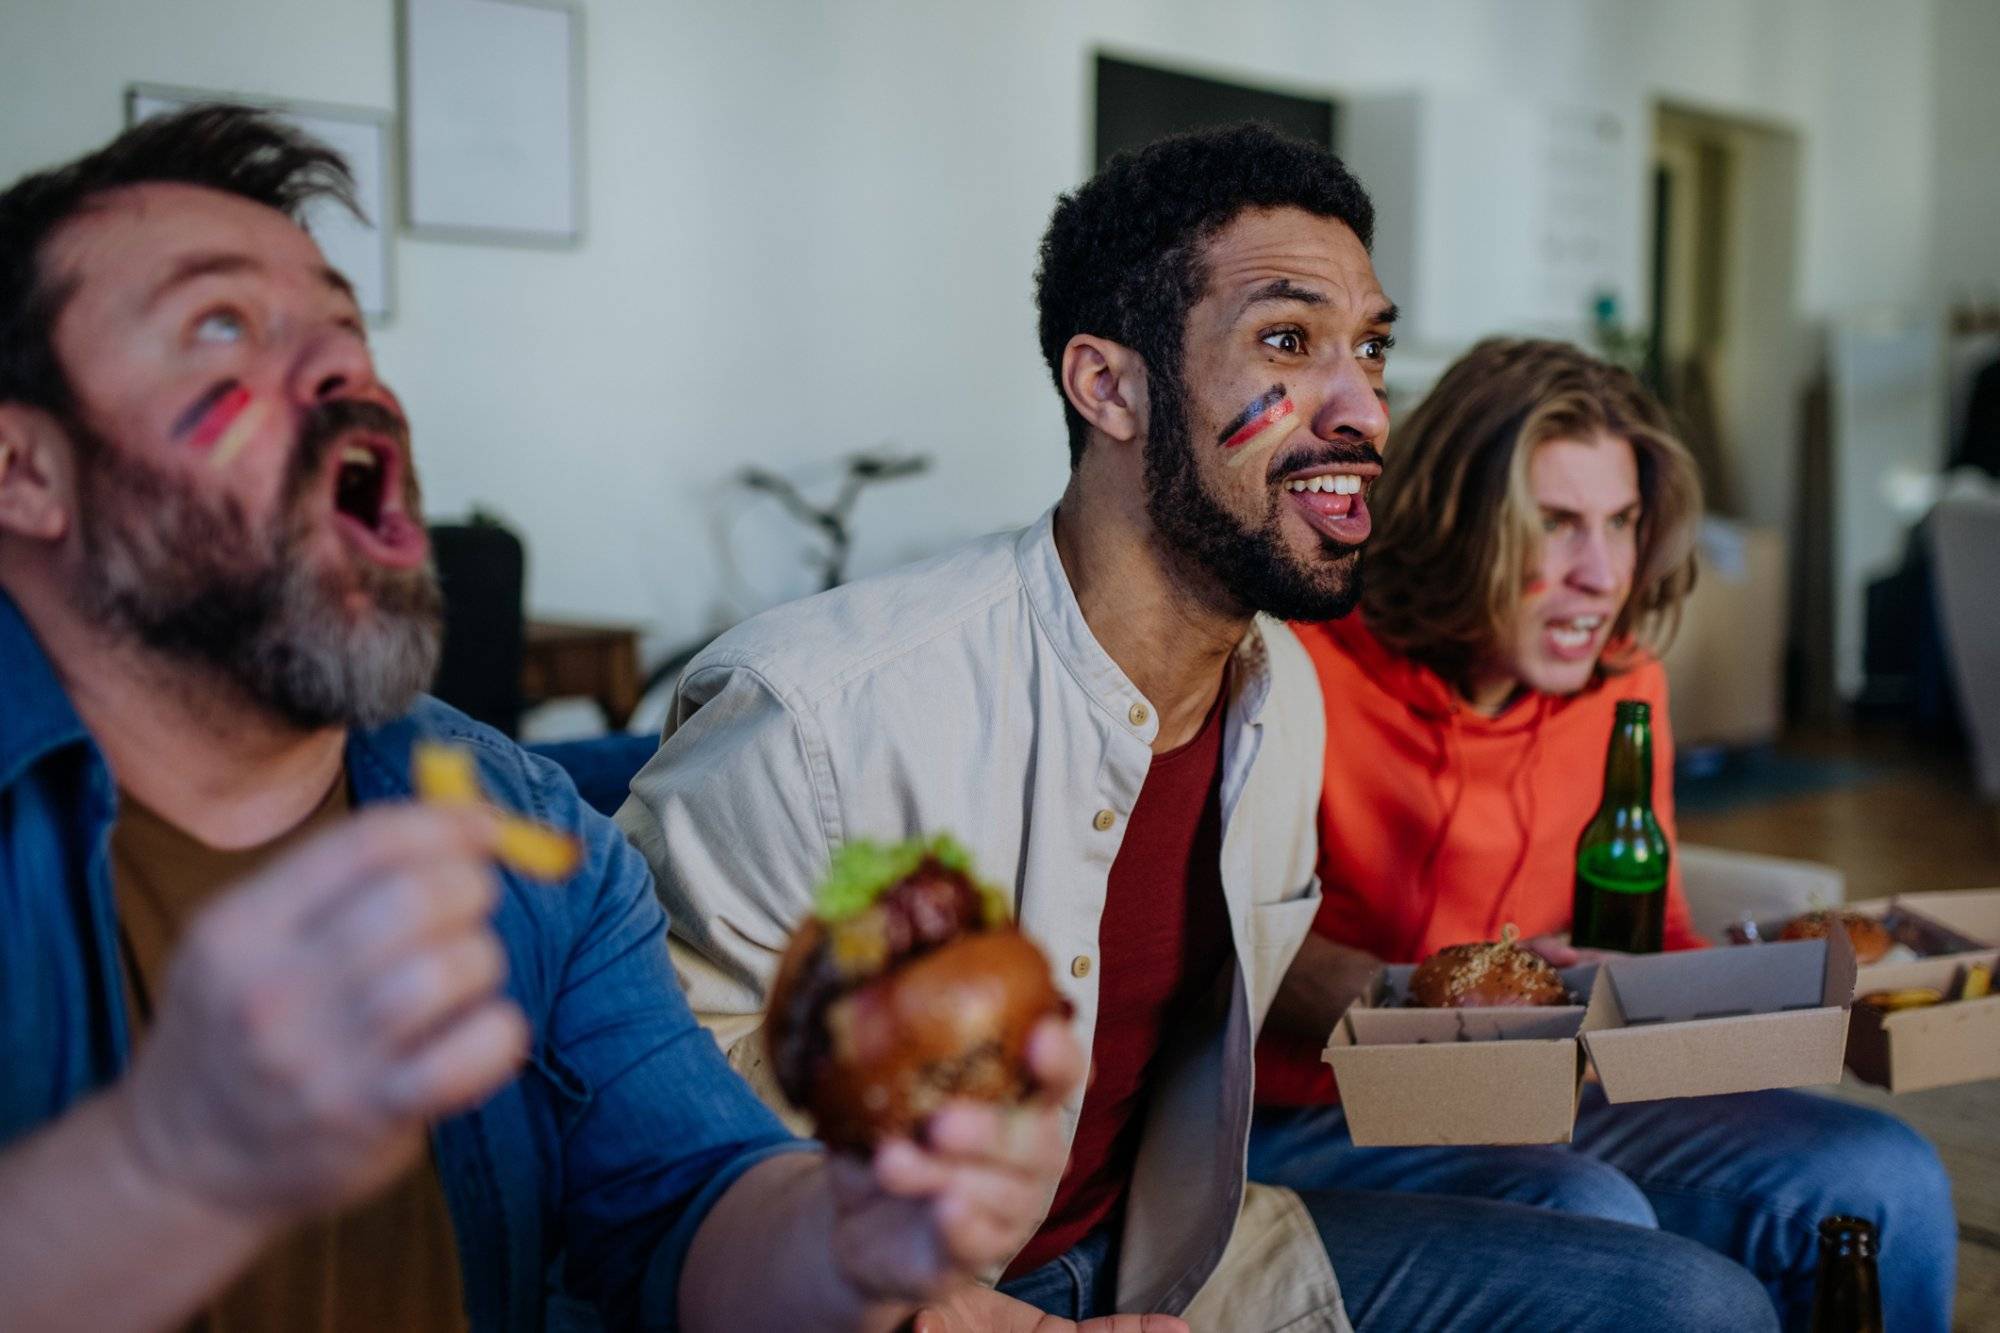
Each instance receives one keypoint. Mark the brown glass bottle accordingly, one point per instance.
(1847, 1298)
(1621, 857)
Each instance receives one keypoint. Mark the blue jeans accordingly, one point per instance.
(1410, 1262)
(1746, 1176)
(1079, 1283)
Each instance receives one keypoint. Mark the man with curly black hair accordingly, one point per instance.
(1236, 261)
(1092, 705)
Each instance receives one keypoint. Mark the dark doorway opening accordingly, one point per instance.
(1137, 104)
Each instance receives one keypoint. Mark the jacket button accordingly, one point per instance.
(1138, 715)
(1105, 819)
(1079, 966)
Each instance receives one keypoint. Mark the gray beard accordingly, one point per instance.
(197, 585)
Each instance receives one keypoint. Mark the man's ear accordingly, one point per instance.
(35, 480)
(1106, 383)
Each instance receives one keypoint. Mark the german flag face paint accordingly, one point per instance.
(1266, 421)
(222, 421)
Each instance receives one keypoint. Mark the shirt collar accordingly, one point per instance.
(1061, 618)
(37, 718)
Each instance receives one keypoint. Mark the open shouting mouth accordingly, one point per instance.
(367, 497)
(1332, 498)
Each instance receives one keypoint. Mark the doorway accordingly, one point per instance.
(1727, 336)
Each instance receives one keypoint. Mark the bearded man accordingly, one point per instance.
(271, 1064)
(1107, 709)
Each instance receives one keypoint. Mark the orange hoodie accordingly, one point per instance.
(1438, 825)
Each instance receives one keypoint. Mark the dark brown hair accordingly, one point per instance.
(1457, 526)
(229, 148)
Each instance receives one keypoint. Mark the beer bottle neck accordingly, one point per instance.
(1628, 767)
(1846, 1238)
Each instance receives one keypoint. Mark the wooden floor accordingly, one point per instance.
(1918, 824)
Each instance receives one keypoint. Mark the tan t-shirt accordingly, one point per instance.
(390, 1263)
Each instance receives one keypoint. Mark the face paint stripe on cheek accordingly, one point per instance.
(1270, 406)
(211, 414)
(240, 432)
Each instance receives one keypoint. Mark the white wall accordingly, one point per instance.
(813, 224)
(1967, 149)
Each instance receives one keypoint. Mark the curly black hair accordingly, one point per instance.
(1122, 258)
(230, 148)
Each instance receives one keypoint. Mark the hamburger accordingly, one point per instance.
(1497, 973)
(1869, 936)
(907, 986)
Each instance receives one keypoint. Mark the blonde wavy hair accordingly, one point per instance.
(1457, 530)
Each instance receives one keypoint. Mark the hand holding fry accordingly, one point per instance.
(317, 1017)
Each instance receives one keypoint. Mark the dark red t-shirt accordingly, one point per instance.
(1161, 943)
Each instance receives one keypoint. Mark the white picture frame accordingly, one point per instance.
(493, 137)
(360, 248)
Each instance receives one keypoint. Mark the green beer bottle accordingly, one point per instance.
(1621, 858)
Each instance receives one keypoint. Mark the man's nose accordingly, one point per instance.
(1354, 407)
(336, 364)
(1592, 570)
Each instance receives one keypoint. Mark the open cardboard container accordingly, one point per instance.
(1669, 1025)
(1930, 1046)
(1940, 1044)
(1912, 921)
(1458, 1076)
(1709, 1021)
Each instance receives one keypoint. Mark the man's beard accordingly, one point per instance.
(1250, 567)
(197, 583)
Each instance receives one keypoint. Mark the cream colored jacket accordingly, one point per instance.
(967, 695)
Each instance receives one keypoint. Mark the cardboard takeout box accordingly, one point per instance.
(1969, 917)
(1932, 1046)
(1709, 1021)
(1686, 1024)
(1458, 1076)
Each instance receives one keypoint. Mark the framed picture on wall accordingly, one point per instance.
(358, 247)
(493, 120)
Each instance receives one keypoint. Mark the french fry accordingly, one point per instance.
(1889, 1001)
(446, 775)
(538, 851)
(1978, 983)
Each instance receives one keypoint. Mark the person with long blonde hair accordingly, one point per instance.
(1534, 541)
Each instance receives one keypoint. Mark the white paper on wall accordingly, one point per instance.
(490, 101)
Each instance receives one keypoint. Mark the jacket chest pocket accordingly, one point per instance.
(1276, 930)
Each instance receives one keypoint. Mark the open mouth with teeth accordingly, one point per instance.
(368, 504)
(1332, 502)
(1574, 638)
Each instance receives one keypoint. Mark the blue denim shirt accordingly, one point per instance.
(611, 1146)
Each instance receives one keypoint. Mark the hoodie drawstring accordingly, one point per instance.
(1519, 785)
(1451, 758)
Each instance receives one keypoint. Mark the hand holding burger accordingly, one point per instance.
(926, 1038)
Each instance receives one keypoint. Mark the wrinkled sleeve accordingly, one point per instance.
(653, 1125)
(733, 818)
